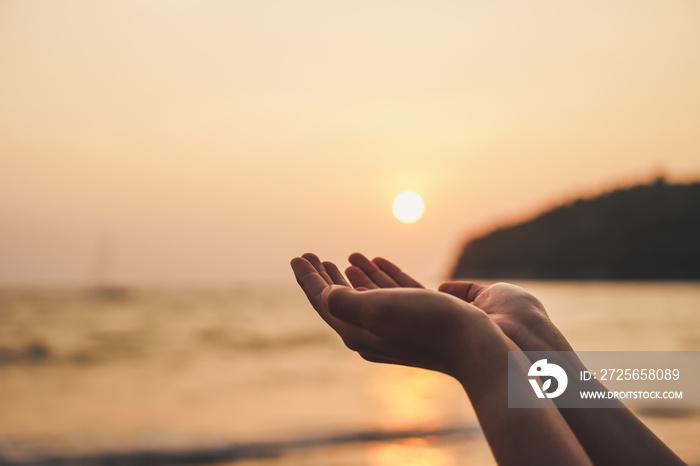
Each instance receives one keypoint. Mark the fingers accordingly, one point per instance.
(316, 262)
(395, 273)
(335, 274)
(467, 291)
(318, 291)
(375, 274)
(359, 279)
(327, 270)
(310, 281)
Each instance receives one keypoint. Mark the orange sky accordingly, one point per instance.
(207, 142)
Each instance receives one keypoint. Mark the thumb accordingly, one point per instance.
(466, 291)
(350, 306)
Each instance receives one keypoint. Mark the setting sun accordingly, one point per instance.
(408, 207)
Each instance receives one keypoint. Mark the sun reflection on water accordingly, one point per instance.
(409, 397)
(408, 452)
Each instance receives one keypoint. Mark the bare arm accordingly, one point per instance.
(610, 436)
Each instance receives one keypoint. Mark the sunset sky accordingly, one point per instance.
(208, 142)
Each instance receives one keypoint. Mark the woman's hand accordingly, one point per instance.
(407, 326)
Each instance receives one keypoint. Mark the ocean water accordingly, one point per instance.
(254, 377)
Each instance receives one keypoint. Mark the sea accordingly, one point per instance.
(252, 376)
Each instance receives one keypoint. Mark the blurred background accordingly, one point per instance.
(162, 161)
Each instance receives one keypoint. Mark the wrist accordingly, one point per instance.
(483, 367)
(541, 336)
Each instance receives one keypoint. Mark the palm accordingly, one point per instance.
(515, 310)
(519, 314)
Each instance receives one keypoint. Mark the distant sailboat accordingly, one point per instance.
(102, 286)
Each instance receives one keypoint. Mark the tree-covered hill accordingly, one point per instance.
(647, 231)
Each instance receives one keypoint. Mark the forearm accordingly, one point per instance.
(613, 436)
(610, 436)
(516, 436)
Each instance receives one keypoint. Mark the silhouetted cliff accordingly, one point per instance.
(644, 232)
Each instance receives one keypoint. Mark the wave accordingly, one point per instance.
(242, 451)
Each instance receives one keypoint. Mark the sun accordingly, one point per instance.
(408, 207)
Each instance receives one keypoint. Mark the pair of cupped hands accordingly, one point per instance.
(388, 317)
